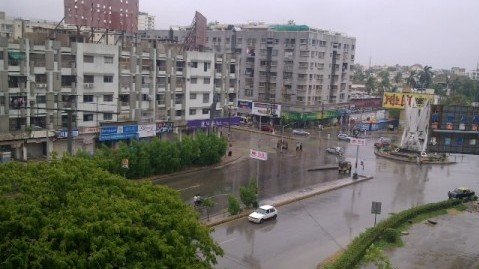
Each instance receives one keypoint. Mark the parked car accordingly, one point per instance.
(460, 193)
(344, 137)
(263, 213)
(382, 142)
(301, 132)
(267, 128)
(335, 150)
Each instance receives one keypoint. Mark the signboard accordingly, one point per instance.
(164, 127)
(146, 130)
(119, 132)
(265, 109)
(64, 133)
(259, 155)
(193, 124)
(89, 130)
(366, 102)
(400, 99)
(376, 208)
(309, 116)
(357, 141)
(245, 106)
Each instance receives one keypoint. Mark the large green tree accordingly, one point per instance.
(425, 77)
(71, 214)
(371, 84)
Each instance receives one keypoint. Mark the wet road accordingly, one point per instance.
(281, 173)
(307, 232)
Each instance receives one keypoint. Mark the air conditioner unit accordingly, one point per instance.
(88, 85)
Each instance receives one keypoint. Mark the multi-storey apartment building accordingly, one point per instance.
(299, 67)
(42, 80)
(146, 21)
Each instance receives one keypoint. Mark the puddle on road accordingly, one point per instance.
(452, 243)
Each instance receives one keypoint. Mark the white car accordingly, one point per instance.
(301, 132)
(263, 213)
(344, 137)
(335, 150)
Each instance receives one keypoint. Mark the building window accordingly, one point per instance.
(205, 111)
(108, 79)
(206, 81)
(194, 64)
(107, 116)
(87, 117)
(88, 79)
(248, 92)
(108, 98)
(88, 59)
(206, 66)
(108, 59)
(41, 99)
(206, 97)
(192, 96)
(87, 98)
(192, 111)
(194, 80)
(178, 113)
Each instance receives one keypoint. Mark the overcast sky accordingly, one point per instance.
(439, 33)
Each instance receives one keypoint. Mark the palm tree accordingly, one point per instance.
(385, 83)
(425, 77)
(371, 84)
(412, 79)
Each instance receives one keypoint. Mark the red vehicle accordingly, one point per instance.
(382, 142)
(267, 128)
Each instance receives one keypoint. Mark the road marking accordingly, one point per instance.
(226, 241)
(191, 187)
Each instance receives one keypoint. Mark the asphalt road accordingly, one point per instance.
(281, 173)
(307, 232)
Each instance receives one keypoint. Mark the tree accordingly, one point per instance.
(248, 194)
(358, 75)
(385, 83)
(70, 213)
(371, 84)
(425, 77)
(456, 100)
(397, 78)
(412, 79)
(208, 203)
(233, 205)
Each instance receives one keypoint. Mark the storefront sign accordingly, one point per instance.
(119, 132)
(245, 106)
(219, 122)
(146, 130)
(164, 127)
(265, 109)
(64, 133)
(309, 116)
(89, 130)
(400, 100)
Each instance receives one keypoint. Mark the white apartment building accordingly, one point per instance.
(145, 21)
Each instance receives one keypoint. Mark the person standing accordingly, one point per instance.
(362, 164)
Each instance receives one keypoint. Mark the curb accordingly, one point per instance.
(288, 201)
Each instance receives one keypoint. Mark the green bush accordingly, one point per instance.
(391, 235)
(160, 157)
(355, 251)
(233, 205)
(248, 195)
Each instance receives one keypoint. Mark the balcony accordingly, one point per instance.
(88, 86)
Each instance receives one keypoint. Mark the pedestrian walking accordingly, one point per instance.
(297, 146)
(300, 146)
(362, 164)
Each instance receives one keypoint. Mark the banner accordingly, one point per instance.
(193, 124)
(400, 99)
(357, 141)
(164, 127)
(309, 116)
(259, 155)
(146, 130)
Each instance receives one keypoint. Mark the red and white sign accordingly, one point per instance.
(260, 155)
(357, 141)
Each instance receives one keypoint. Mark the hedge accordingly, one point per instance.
(355, 251)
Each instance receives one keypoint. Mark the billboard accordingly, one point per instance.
(146, 130)
(110, 133)
(119, 15)
(400, 99)
(265, 109)
(245, 106)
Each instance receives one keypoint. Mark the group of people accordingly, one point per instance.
(299, 146)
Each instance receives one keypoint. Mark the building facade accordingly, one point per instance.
(145, 21)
